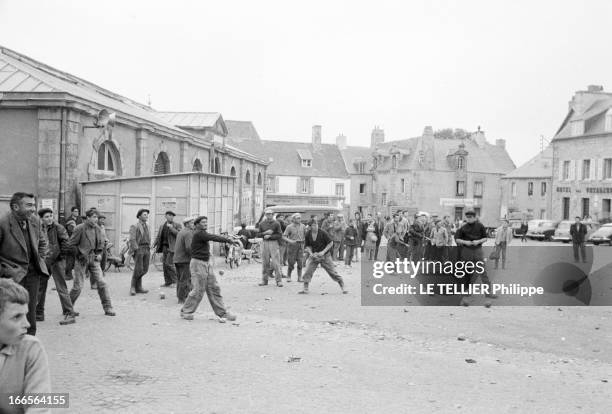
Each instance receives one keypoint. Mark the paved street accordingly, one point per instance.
(346, 358)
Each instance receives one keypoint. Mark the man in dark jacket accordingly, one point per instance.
(70, 223)
(23, 248)
(164, 243)
(578, 231)
(270, 231)
(57, 237)
(88, 242)
(182, 257)
(140, 246)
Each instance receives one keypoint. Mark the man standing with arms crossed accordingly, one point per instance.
(164, 243)
(140, 245)
(202, 275)
(58, 246)
(270, 230)
(295, 251)
(88, 241)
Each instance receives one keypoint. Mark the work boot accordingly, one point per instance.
(279, 284)
(133, 287)
(73, 313)
(305, 290)
(68, 319)
(227, 317)
(109, 312)
(344, 291)
(139, 288)
(187, 316)
(263, 283)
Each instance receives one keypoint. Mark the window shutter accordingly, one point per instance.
(598, 168)
(573, 170)
(593, 169)
(298, 185)
(560, 170)
(275, 185)
(311, 184)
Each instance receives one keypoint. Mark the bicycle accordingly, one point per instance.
(256, 249)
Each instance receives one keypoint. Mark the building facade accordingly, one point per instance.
(59, 130)
(582, 158)
(440, 175)
(528, 189)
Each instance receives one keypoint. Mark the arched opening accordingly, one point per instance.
(217, 169)
(259, 180)
(162, 164)
(107, 158)
(197, 165)
(233, 171)
(247, 177)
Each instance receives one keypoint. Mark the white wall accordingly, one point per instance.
(324, 186)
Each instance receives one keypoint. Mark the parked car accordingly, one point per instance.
(602, 235)
(562, 233)
(541, 229)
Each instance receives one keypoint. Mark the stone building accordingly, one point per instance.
(440, 175)
(55, 134)
(528, 189)
(582, 157)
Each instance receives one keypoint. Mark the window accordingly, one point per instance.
(383, 198)
(362, 188)
(259, 179)
(543, 188)
(402, 185)
(340, 190)
(304, 185)
(478, 189)
(394, 162)
(542, 214)
(477, 211)
(460, 163)
(270, 184)
(607, 168)
(585, 207)
(566, 170)
(105, 157)
(460, 189)
(458, 213)
(530, 188)
(361, 167)
(566, 208)
(197, 165)
(247, 177)
(162, 164)
(233, 171)
(577, 128)
(586, 169)
(306, 163)
(217, 169)
(513, 189)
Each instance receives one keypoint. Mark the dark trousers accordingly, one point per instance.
(183, 285)
(57, 272)
(31, 282)
(69, 266)
(377, 247)
(500, 249)
(474, 255)
(579, 250)
(348, 257)
(141, 266)
(169, 269)
(295, 255)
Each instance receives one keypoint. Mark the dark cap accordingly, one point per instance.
(171, 213)
(199, 219)
(101, 216)
(142, 210)
(44, 211)
(470, 212)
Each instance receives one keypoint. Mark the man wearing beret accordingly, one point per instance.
(202, 275)
(164, 243)
(140, 245)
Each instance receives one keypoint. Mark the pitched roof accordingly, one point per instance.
(352, 155)
(593, 116)
(21, 74)
(241, 130)
(539, 166)
(487, 158)
(284, 159)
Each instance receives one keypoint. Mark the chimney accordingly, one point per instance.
(500, 143)
(428, 131)
(595, 88)
(316, 135)
(341, 141)
(378, 137)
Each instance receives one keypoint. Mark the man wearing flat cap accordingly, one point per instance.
(140, 245)
(182, 257)
(471, 236)
(164, 243)
(270, 231)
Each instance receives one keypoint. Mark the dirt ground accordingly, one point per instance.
(325, 353)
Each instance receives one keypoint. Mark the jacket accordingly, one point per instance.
(14, 258)
(578, 233)
(87, 239)
(498, 235)
(182, 247)
(351, 237)
(58, 239)
(172, 233)
(138, 238)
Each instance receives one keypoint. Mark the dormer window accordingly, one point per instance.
(461, 163)
(577, 128)
(361, 166)
(305, 157)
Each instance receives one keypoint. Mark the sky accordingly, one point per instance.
(510, 67)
